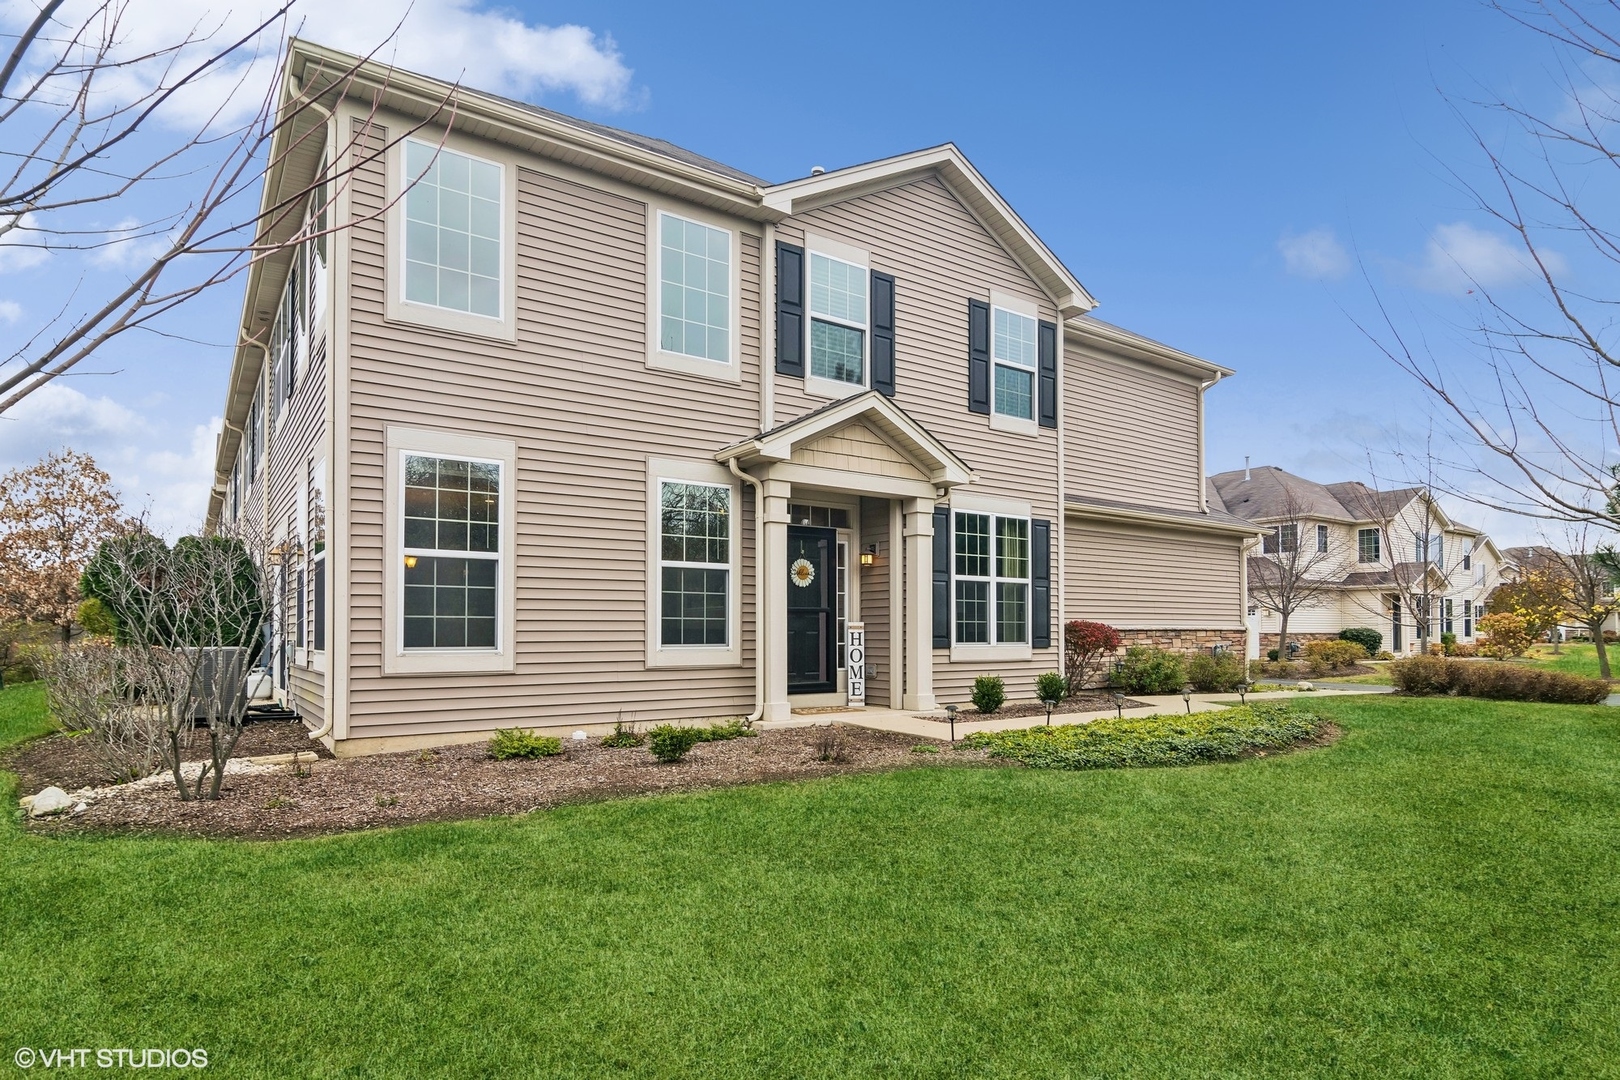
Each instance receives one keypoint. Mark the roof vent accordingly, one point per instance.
(1245, 467)
(817, 170)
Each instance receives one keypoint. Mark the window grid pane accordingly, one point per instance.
(450, 603)
(837, 353)
(451, 504)
(452, 230)
(973, 612)
(1012, 615)
(837, 289)
(695, 552)
(1014, 339)
(973, 545)
(694, 289)
(1015, 392)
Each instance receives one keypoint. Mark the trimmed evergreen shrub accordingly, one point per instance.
(1365, 636)
(1219, 673)
(1147, 670)
(1325, 656)
(669, 743)
(989, 692)
(516, 743)
(731, 729)
(1051, 687)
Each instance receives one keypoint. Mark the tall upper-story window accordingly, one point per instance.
(1013, 352)
(1368, 545)
(1321, 538)
(1429, 548)
(452, 230)
(1282, 538)
(838, 319)
(452, 552)
(694, 289)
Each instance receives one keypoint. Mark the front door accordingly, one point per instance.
(812, 610)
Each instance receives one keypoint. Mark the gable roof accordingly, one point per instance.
(1263, 495)
(879, 413)
(967, 184)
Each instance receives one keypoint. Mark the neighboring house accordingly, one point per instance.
(1381, 556)
(1518, 560)
(582, 426)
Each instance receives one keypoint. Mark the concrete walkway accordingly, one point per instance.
(923, 725)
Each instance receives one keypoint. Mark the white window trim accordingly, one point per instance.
(660, 655)
(996, 508)
(396, 307)
(317, 657)
(1000, 421)
(396, 660)
(729, 370)
(815, 385)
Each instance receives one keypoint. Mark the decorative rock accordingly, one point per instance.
(580, 736)
(53, 800)
(1306, 686)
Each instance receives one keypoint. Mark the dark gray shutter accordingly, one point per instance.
(978, 356)
(1040, 584)
(942, 578)
(789, 310)
(1046, 374)
(883, 333)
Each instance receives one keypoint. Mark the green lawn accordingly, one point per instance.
(1437, 895)
(22, 713)
(1575, 659)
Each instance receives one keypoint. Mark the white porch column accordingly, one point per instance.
(919, 635)
(776, 706)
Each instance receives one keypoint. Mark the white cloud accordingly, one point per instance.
(128, 244)
(139, 452)
(1315, 254)
(487, 49)
(10, 311)
(1460, 258)
(16, 233)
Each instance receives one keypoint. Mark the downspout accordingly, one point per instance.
(759, 586)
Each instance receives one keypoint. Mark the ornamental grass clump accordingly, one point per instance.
(1155, 741)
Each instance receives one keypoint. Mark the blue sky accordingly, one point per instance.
(1217, 175)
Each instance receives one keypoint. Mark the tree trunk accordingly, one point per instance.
(1602, 647)
(1282, 639)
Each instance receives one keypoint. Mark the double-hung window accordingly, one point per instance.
(317, 552)
(1321, 538)
(694, 289)
(1430, 548)
(1012, 355)
(452, 553)
(1368, 546)
(453, 230)
(694, 564)
(1282, 538)
(838, 319)
(992, 579)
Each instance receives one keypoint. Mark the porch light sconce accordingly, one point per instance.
(410, 562)
(869, 555)
(1186, 696)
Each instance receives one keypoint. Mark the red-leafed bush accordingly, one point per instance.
(1086, 647)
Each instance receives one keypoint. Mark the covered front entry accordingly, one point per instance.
(812, 610)
(887, 472)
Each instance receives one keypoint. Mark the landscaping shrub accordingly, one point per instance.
(1218, 673)
(669, 743)
(516, 743)
(1365, 636)
(1464, 650)
(1326, 656)
(1506, 634)
(1147, 670)
(989, 693)
(1272, 655)
(1448, 643)
(1426, 675)
(731, 729)
(1051, 687)
(1148, 741)
(1085, 646)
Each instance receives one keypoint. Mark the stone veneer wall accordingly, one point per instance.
(1185, 641)
(1269, 641)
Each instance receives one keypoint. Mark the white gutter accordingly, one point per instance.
(759, 587)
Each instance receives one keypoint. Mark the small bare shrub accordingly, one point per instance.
(96, 687)
(830, 745)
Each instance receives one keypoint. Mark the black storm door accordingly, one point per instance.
(811, 610)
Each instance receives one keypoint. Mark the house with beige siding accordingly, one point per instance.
(1383, 557)
(549, 424)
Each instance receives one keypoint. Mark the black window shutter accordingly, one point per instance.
(1040, 584)
(942, 578)
(1047, 374)
(883, 333)
(789, 310)
(978, 356)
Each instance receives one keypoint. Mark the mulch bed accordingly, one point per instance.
(71, 762)
(462, 782)
(1021, 709)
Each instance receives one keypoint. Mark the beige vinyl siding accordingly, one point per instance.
(1131, 430)
(1152, 578)
(856, 449)
(941, 256)
(575, 393)
(299, 434)
(875, 579)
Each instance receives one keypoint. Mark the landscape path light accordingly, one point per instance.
(1186, 696)
(950, 711)
(1119, 704)
(1050, 703)
(1243, 689)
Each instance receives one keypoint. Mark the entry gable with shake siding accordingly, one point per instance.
(610, 431)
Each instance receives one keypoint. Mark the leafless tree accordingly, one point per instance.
(1292, 573)
(1537, 405)
(95, 687)
(76, 143)
(190, 621)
